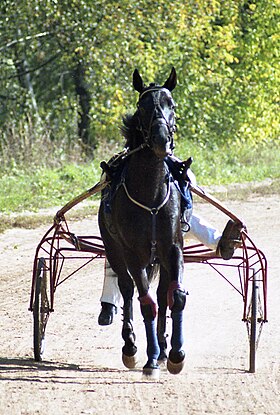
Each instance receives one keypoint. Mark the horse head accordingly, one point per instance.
(156, 113)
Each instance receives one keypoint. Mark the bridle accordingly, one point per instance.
(146, 131)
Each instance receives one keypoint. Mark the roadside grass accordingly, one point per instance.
(31, 190)
(233, 162)
(32, 220)
(244, 169)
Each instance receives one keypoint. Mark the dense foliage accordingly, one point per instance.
(66, 69)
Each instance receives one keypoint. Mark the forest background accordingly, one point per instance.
(66, 81)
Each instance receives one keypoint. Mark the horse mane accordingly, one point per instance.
(130, 132)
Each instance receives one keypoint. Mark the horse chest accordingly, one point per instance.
(149, 231)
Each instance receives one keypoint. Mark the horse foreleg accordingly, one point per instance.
(161, 320)
(161, 329)
(148, 310)
(176, 300)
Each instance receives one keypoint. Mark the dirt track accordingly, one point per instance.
(83, 373)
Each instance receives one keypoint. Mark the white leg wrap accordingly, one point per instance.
(204, 232)
(111, 292)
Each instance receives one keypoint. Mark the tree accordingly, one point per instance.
(69, 65)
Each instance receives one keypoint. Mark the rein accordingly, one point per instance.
(153, 211)
(126, 153)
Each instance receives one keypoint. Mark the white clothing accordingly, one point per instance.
(110, 292)
(204, 232)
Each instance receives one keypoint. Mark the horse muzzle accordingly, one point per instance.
(161, 138)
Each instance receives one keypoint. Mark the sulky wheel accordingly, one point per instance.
(41, 310)
(253, 325)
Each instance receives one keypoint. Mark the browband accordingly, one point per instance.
(154, 89)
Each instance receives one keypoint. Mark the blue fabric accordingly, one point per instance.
(180, 183)
(152, 341)
(183, 189)
(110, 191)
(177, 339)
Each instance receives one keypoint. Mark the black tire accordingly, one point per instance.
(253, 321)
(41, 310)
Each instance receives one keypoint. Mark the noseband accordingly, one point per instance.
(146, 132)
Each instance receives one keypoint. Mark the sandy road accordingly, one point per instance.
(82, 371)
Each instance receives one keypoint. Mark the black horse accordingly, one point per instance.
(143, 226)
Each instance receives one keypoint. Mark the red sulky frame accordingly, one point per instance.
(59, 244)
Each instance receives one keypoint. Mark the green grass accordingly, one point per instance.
(32, 189)
(233, 163)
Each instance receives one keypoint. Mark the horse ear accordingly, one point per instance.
(171, 81)
(137, 81)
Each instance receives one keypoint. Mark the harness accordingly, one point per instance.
(153, 211)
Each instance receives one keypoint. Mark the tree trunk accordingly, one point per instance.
(24, 78)
(83, 93)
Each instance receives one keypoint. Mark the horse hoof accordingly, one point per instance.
(174, 368)
(129, 361)
(175, 365)
(151, 370)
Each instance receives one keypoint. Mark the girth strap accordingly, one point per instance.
(153, 241)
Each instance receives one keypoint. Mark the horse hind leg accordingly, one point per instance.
(161, 319)
(129, 350)
(125, 283)
(161, 328)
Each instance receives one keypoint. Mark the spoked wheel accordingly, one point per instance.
(252, 320)
(41, 310)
